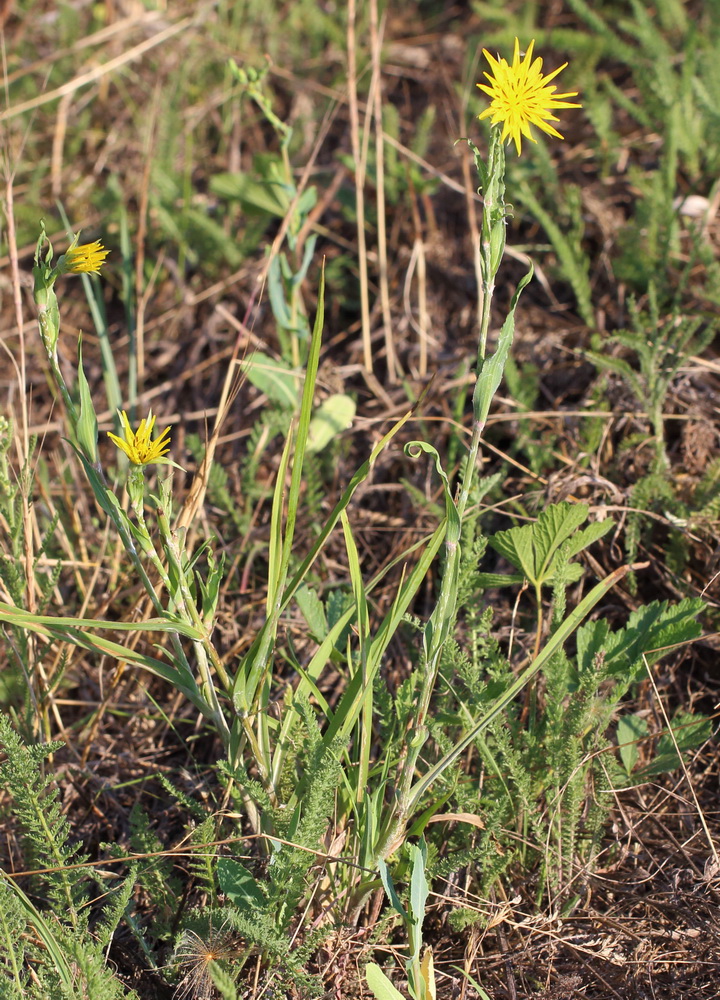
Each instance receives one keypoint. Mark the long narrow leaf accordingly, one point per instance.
(180, 679)
(351, 702)
(307, 687)
(54, 948)
(24, 619)
(249, 678)
(493, 367)
(359, 477)
(306, 408)
(275, 547)
(364, 735)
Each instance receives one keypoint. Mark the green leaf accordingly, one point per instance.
(413, 448)
(210, 586)
(516, 545)
(349, 705)
(584, 539)
(259, 195)
(274, 378)
(618, 366)
(390, 891)
(554, 525)
(223, 980)
(498, 579)
(25, 619)
(240, 886)
(248, 679)
(650, 632)
(473, 982)
(543, 550)
(590, 641)
(57, 629)
(331, 418)
(564, 572)
(497, 244)
(57, 950)
(86, 429)
(553, 645)
(492, 369)
(278, 299)
(312, 610)
(419, 889)
(630, 728)
(380, 985)
(359, 477)
(690, 731)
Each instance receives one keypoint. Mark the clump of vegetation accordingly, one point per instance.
(277, 661)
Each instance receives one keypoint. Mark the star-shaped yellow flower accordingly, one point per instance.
(520, 96)
(137, 444)
(87, 258)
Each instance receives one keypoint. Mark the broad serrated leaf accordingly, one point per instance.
(585, 538)
(689, 731)
(650, 632)
(591, 640)
(516, 545)
(554, 526)
(258, 195)
(543, 550)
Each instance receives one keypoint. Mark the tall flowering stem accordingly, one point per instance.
(81, 417)
(174, 573)
(440, 625)
(492, 248)
(520, 97)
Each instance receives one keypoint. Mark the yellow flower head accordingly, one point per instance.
(88, 259)
(520, 95)
(137, 444)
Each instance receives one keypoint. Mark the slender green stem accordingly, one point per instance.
(67, 398)
(539, 619)
(187, 609)
(443, 616)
